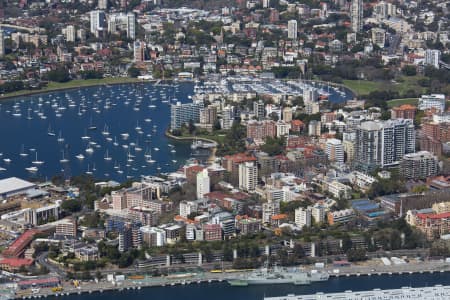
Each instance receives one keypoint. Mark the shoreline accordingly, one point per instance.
(206, 278)
(212, 156)
(26, 93)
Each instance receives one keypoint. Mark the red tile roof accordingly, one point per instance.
(16, 262)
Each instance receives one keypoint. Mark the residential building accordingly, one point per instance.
(246, 225)
(2, 43)
(432, 58)
(203, 183)
(335, 150)
(187, 208)
(314, 128)
(208, 115)
(356, 15)
(419, 165)
(318, 212)
(337, 189)
(433, 101)
(227, 117)
(259, 109)
(121, 22)
(248, 176)
(153, 236)
(66, 227)
(70, 33)
(292, 29)
(87, 253)
(404, 111)
(270, 209)
(303, 217)
(287, 114)
(139, 48)
(97, 22)
(383, 143)
(184, 113)
(379, 37)
(341, 216)
(259, 130)
(212, 232)
(102, 4)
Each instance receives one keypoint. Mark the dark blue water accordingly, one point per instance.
(121, 108)
(222, 291)
(26, 122)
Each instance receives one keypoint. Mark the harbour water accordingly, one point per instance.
(112, 132)
(117, 129)
(222, 291)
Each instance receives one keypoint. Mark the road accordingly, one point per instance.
(42, 260)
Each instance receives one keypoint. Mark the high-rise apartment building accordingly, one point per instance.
(382, 144)
(203, 183)
(335, 150)
(303, 217)
(2, 43)
(123, 22)
(259, 109)
(184, 113)
(248, 176)
(356, 14)
(98, 21)
(432, 58)
(292, 29)
(70, 33)
(419, 165)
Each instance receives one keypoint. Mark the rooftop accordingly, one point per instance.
(12, 184)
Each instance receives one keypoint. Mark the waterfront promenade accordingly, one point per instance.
(372, 268)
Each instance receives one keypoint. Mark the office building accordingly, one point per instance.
(303, 217)
(203, 183)
(42, 215)
(382, 144)
(184, 113)
(433, 101)
(248, 176)
(356, 14)
(432, 58)
(334, 150)
(419, 165)
(292, 29)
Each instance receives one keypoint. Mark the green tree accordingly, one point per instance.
(71, 205)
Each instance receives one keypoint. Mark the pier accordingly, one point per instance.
(437, 292)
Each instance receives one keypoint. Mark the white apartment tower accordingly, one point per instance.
(432, 58)
(103, 4)
(123, 22)
(70, 33)
(2, 43)
(356, 13)
(303, 217)
(98, 21)
(292, 29)
(203, 183)
(335, 150)
(248, 176)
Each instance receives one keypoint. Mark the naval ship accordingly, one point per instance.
(277, 275)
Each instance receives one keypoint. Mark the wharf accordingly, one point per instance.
(437, 292)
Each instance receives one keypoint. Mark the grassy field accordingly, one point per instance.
(53, 86)
(397, 102)
(362, 87)
(402, 85)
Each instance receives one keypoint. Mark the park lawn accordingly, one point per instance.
(397, 102)
(363, 87)
(406, 83)
(53, 86)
